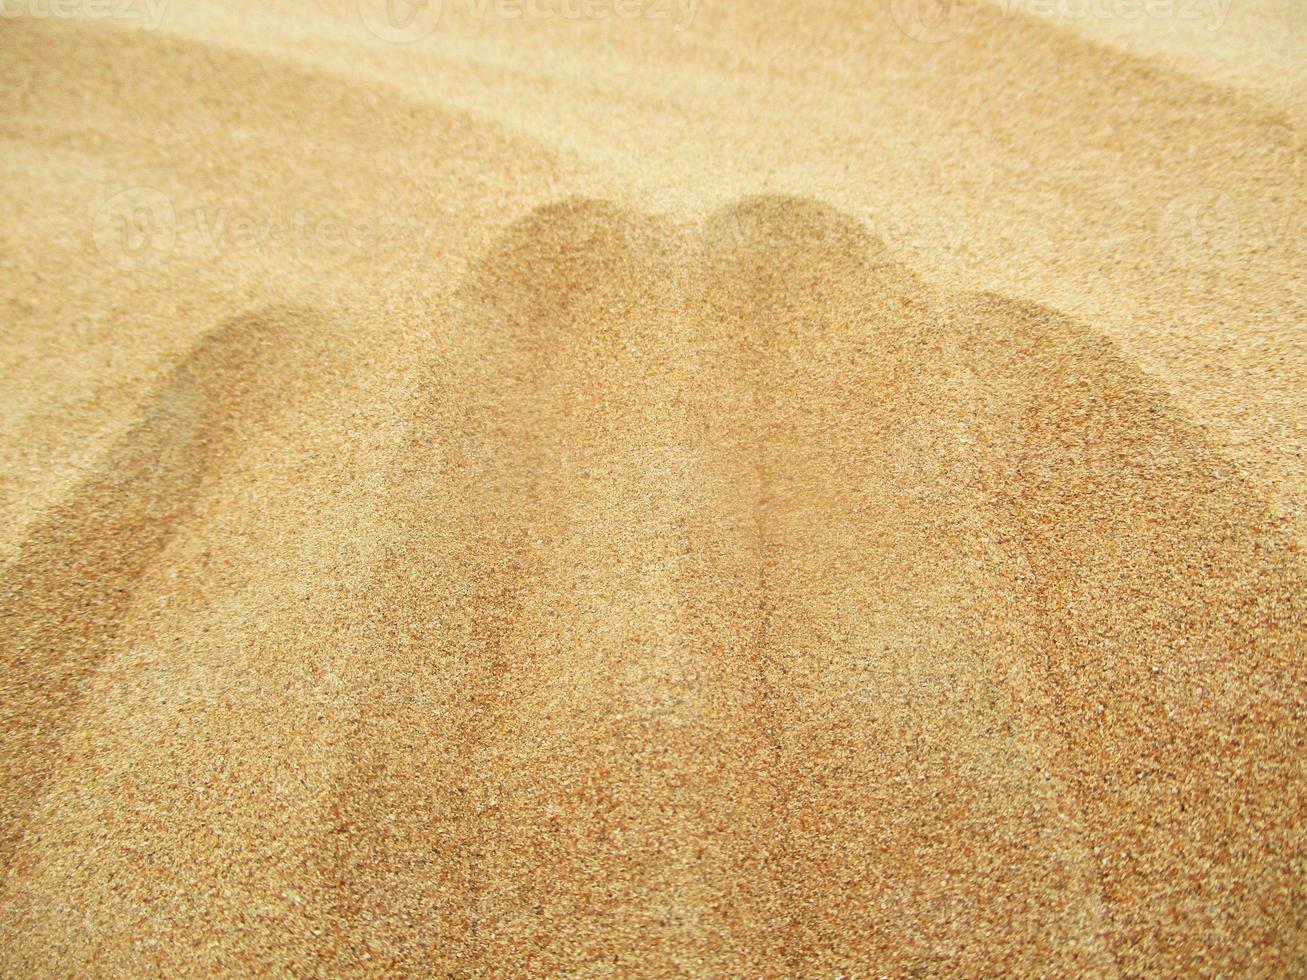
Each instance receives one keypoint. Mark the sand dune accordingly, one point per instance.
(650, 541)
(72, 581)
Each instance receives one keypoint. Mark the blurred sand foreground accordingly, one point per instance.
(762, 490)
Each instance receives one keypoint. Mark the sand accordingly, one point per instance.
(724, 489)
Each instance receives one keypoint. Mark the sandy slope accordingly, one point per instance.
(775, 497)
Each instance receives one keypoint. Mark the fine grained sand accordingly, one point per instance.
(766, 495)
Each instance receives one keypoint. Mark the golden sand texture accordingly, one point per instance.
(767, 495)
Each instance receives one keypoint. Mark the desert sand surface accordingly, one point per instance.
(660, 489)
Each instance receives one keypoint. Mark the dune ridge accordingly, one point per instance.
(733, 601)
(73, 577)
